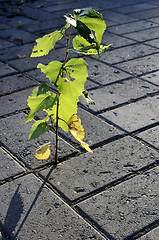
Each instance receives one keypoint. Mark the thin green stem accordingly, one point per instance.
(57, 119)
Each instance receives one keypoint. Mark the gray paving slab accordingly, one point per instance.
(14, 102)
(154, 43)
(135, 115)
(131, 27)
(6, 70)
(141, 65)
(117, 17)
(102, 73)
(126, 208)
(146, 14)
(14, 83)
(152, 235)
(127, 53)
(29, 210)
(80, 176)
(119, 93)
(17, 36)
(152, 77)
(115, 40)
(16, 52)
(154, 19)
(8, 166)
(18, 21)
(15, 135)
(29, 63)
(151, 136)
(39, 26)
(5, 44)
(143, 35)
(135, 8)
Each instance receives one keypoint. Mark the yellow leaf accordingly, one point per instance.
(43, 152)
(77, 130)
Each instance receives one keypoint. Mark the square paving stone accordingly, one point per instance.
(118, 93)
(14, 102)
(14, 83)
(135, 115)
(17, 36)
(153, 234)
(16, 52)
(127, 53)
(82, 175)
(143, 35)
(8, 166)
(126, 208)
(29, 210)
(151, 136)
(141, 65)
(152, 77)
(131, 27)
(102, 73)
(15, 135)
(6, 70)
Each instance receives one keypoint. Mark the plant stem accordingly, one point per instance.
(57, 109)
(57, 119)
(67, 47)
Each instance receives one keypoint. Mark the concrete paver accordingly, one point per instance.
(82, 175)
(125, 209)
(109, 194)
(136, 115)
(29, 210)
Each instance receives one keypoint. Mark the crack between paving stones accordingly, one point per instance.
(115, 182)
(132, 100)
(143, 231)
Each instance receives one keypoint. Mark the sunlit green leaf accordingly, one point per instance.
(52, 71)
(82, 46)
(47, 42)
(38, 128)
(70, 90)
(36, 100)
(93, 20)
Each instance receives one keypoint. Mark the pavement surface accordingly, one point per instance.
(113, 193)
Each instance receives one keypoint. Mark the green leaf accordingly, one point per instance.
(53, 71)
(93, 20)
(70, 90)
(47, 42)
(40, 99)
(38, 128)
(82, 46)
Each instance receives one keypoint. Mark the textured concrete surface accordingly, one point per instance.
(109, 194)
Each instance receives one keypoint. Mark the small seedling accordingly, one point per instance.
(68, 77)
